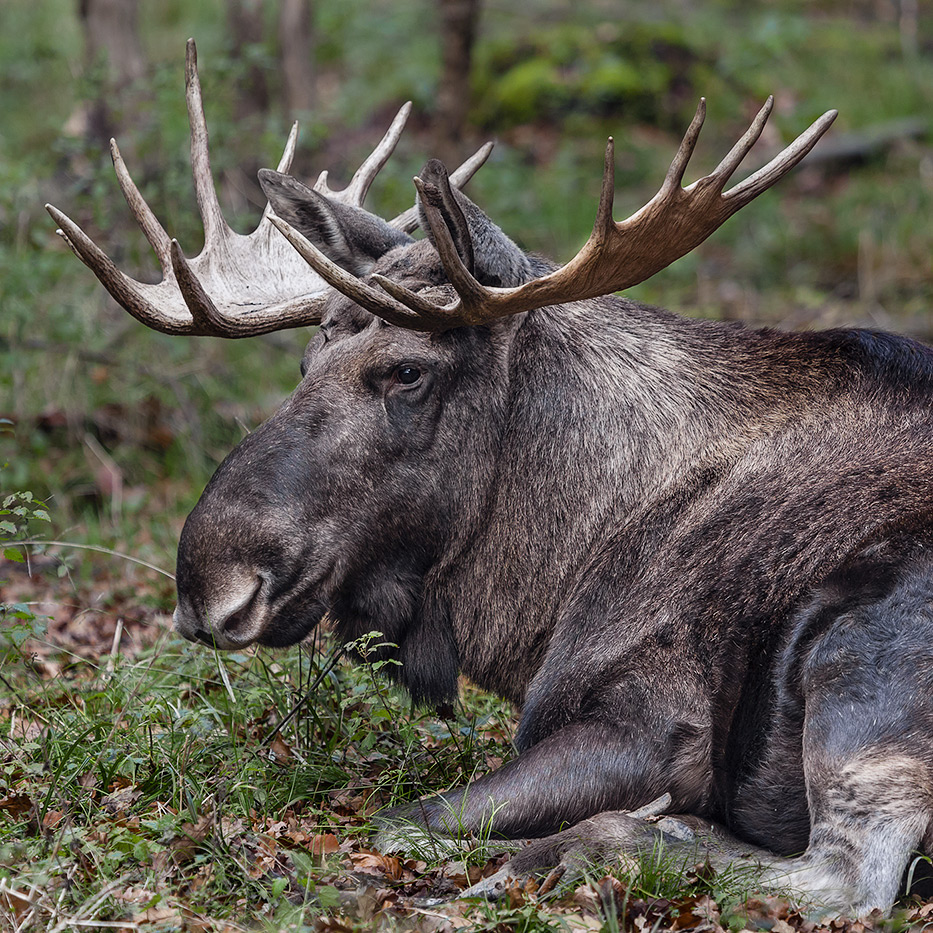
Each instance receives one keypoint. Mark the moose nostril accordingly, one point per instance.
(233, 618)
(240, 617)
(241, 621)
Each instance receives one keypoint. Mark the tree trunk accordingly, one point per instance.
(112, 49)
(296, 49)
(459, 20)
(245, 21)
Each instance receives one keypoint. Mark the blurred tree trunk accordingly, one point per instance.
(296, 49)
(908, 21)
(112, 50)
(459, 21)
(245, 21)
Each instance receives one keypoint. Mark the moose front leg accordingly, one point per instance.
(684, 842)
(581, 770)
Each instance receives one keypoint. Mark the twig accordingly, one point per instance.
(114, 650)
(90, 547)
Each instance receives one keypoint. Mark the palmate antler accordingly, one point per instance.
(238, 286)
(615, 257)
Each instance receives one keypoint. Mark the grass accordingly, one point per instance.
(168, 787)
(167, 775)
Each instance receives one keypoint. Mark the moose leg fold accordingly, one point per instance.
(867, 748)
(682, 841)
(580, 770)
(865, 682)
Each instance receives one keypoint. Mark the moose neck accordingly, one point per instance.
(609, 403)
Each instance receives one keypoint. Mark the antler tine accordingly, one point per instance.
(348, 284)
(782, 163)
(215, 227)
(675, 174)
(408, 220)
(121, 287)
(604, 223)
(723, 171)
(204, 313)
(288, 154)
(425, 309)
(472, 293)
(153, 230)
(285, 163)
(356, 191)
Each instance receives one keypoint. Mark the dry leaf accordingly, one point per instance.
(16, 804)
(157, 915)
(373, 863)
(88, 780)
(281, 750)
(122, 796)
(324, 844)
(583, 922)
(183, 849)
(30, 729)
(52, 818)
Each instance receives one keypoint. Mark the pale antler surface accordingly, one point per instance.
(238, 285)
(615, 257)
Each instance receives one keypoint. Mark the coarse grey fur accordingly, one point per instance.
(695, 555)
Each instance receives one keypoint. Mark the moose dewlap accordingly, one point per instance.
(697, 556)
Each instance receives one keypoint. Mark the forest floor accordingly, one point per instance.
(149, 785)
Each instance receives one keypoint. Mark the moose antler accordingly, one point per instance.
(616, 255)
(238, 286)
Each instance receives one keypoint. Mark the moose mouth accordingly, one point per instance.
(248, 615)
(293, 625)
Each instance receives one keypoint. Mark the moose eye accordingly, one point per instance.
(408, 375)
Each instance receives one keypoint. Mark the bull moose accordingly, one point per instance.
(696, 556)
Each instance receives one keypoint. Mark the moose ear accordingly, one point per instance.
(351, 237)
(484, 249)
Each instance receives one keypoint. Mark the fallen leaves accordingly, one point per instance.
(17, 805)
(183, 848)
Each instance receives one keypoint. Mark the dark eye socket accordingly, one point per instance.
(408, 375)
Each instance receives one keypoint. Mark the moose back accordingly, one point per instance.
(696, 556)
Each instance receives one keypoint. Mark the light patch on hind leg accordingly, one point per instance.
(869, 814)
(898, 790)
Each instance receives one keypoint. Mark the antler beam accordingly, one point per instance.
(616, 255)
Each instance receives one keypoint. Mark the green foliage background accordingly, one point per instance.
(848, 241)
